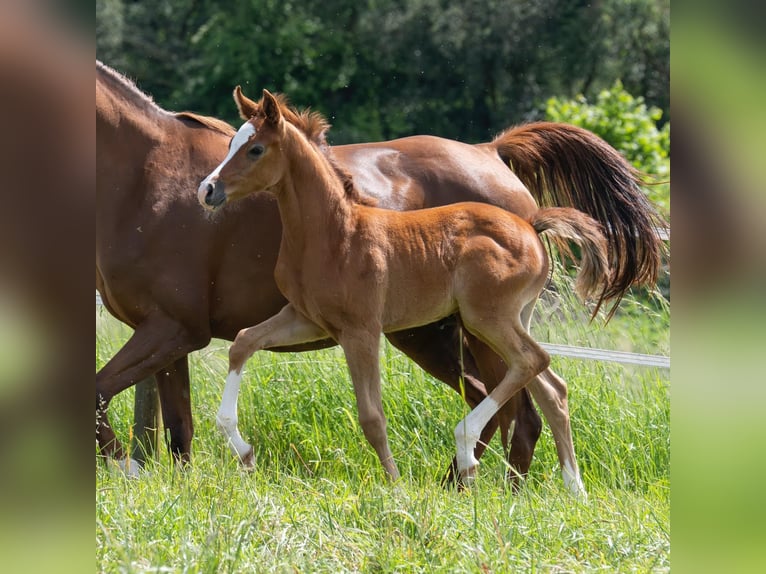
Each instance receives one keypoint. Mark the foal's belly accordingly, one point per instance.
(411, 308)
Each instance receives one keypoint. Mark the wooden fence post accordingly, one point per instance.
(146, 420)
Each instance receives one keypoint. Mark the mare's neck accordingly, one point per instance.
(122, 109)
(312, 199)
(129, 127)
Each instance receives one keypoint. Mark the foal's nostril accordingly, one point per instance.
(209, 194)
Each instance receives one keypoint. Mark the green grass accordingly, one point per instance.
(318, 500)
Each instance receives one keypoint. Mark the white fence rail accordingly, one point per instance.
(587, 353)
(592, 354)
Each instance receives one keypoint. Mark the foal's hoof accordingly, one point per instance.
(580, 494)
(247, 461)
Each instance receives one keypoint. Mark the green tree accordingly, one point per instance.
(110, 24)
(638, 50)
(387, 68)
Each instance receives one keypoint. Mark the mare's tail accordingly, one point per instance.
(563, 224)
(567, 166)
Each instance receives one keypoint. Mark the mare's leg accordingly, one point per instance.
(156, 342)
(146, 420)
(175, 399)
(288, 327)
(550, 392)
(362, 355)
(525, 435)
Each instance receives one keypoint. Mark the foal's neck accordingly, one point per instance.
(312, 200)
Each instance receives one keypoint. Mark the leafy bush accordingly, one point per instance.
(630, 127)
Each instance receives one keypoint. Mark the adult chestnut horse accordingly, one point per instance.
(351, 272)
(157, 274)
(179, 279)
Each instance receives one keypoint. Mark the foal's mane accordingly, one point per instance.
(352, 193)
(314, 126)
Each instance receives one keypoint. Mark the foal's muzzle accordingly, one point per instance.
(211, 194)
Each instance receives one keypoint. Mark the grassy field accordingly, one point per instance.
(318, 500)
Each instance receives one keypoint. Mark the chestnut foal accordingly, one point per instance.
(352, 272)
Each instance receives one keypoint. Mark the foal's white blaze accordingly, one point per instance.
(468, 431)
(240, 138)
(226, 419)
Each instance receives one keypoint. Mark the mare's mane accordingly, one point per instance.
(128, 90)
(208, 122)
(125, 87)
(314, 126)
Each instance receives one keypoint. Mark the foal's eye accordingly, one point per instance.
(256, 150)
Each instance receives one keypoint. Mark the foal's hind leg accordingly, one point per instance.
(436, 349)
(525, 359)
(550, 392)
(288, 327)
(362, 355)
(519, 410)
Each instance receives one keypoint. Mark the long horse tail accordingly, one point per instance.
(567, 166)
(564, 224)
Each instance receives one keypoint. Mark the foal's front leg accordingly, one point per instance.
(362, 356)
(288, 327)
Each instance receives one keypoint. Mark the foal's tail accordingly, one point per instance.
(567, 166)
(563, 224)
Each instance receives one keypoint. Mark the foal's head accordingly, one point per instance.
(255, 161)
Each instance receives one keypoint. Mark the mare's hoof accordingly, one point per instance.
(515, 480)
(450, 479)
(467, 478)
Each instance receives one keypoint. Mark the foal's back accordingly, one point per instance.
(436, 258)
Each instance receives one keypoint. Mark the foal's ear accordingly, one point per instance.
(247, 107)
(271, 108)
